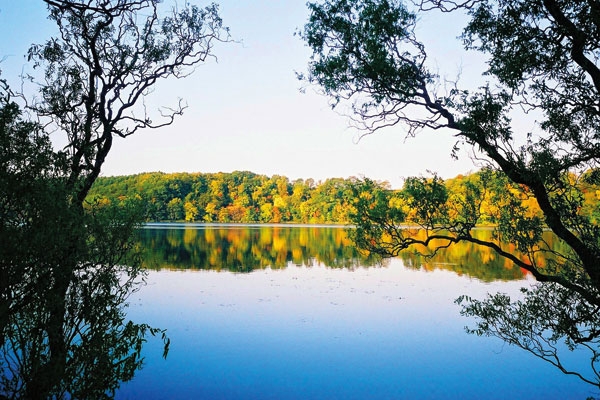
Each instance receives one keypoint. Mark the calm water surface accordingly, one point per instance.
(296, 313)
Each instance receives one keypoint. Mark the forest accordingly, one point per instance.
(246, 197)
(238, 196)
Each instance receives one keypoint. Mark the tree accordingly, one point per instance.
(63, 327)
(175, 209)
(54, 343)
(108, 58)
(542, 58)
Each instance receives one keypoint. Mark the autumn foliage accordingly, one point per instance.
(248, 197)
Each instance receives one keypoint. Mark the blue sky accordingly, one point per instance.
(246, 111)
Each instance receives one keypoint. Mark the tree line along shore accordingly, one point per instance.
(246, 197)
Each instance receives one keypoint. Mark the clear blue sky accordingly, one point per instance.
(246, 111)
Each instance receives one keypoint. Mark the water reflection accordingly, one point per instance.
(64, 330)
(73, 344)
(475, 261)
(244, 248)
(330, 333)
(329, 330)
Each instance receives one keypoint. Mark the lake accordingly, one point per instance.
(295, 312)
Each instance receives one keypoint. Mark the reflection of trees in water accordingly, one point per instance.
(469, 259)
(464, 259)
(63, 326)
(92, 350)
(246, 248)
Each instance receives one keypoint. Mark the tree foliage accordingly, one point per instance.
(243, 196)
(542, 59)
(239, 196)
